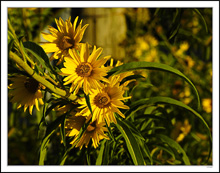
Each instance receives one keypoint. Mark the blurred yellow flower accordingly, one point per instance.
(189, 61)
(94, 131)
(66, 37)
(186, 95)
(152, 55)
(207, 105)
(84, 70)
(185, 129)
(26, 92)
(183, 48)
(152, 41)
(181, 130)
(105, 102)
(146, 44)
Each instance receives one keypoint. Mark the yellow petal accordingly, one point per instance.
(74, 24)
(30, 109)
(100, 62)
(75, 56)
(79, 33)
(58, 25)
(83, 53)
(50, 47)
(53, 31)
(36, 104)
(49, 37)
(95, 54)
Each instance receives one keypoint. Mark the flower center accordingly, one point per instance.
(102, 100)
(66, 43)
(31, 85)
(84, 69)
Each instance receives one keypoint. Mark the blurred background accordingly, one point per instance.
(181, 38)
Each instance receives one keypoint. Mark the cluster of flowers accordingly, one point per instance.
(82, 70)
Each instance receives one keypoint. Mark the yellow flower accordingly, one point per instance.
(183, 48)
(151, 56)
(66, 37)
(151, 40)
(84, 70)
(121, 76)
(94, 131)
(207, 105)
(26, 92)
(185, 128)
(105, 102)
(189, 61)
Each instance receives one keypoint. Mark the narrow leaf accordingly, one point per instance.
(101, 151)
(88, 103)
(43, 149)
(40, 55)
(176, 24)
(203, 19)
(136, 76)
(146, 150)
(152, 66)
(62, 130)
(55, 124)
(10, 45)
(131, 143)
(167, 100)
(175, 145)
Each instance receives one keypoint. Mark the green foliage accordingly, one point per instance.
(132, 144)
(158, 128)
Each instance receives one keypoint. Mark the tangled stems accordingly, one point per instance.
(40, 79)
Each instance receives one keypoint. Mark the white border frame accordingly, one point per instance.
(109, 4)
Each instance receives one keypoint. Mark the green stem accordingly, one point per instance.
(17, 43)
(40, 79)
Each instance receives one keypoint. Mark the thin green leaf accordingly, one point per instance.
(62, 130)
(134, 130)
(131, 143)
(43, 149)
(133, 110)
(88, 149)
(10, 45)
(100, 155)
(106, 153)
(43, 119)
(175, 145)
(136, 76)
(55, 124)
(63, 160)
(203, 19)
(168, 150)
(88, 103)
(109, 131)
(37, 50)
(167, 100)
(176, 24)
(156, 11)
(146, 150)
(40, 55)
(152, 66)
